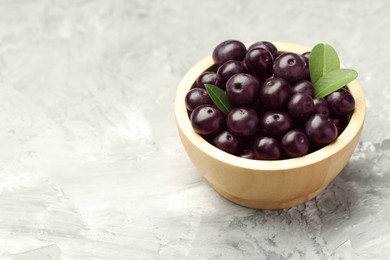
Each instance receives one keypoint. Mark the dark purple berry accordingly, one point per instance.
(303, 86)
(320, 129)
(226, 142)
(275, 124)
(228, 69)
(196, 97)
(300, 106)
(270, 77)
(229, 50)
(267, 148)
(306, 56)
(206, 78)
(259, 62)
(341, 122)
(341, 102)
(207, 120)
(274, 93)
(295, 143)
(267, 45)
(246, 153)
(290, 66)
(307, 69)
(321, 106)
(242, 89)
(242, 121)
(221, 85)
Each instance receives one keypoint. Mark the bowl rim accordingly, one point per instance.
(183, 122)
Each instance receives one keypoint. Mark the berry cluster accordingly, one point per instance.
(275, 114)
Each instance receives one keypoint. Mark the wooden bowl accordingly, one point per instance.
(267, 184)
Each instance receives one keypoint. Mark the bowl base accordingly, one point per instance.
(266, 204)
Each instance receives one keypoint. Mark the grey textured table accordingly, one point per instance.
(91, 165)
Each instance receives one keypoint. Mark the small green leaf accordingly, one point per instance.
(333, 81)
(219, 97)
(323, 59)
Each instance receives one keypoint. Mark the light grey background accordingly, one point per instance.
(91, 166)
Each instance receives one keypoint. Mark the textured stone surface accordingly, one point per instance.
(91, 166)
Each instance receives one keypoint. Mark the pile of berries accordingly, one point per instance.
(275, 114)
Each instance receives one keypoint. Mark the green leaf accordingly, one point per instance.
(333, 81)
(323, 59)
(219, 97)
